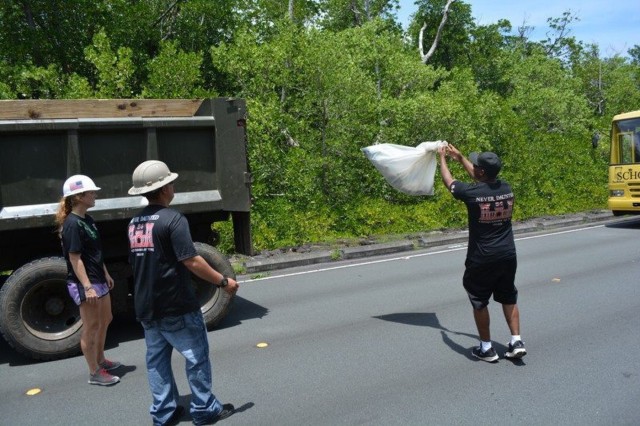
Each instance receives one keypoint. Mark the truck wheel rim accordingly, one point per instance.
(205, 293)
(48, 312)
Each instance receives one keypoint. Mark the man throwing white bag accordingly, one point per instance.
(410, 170)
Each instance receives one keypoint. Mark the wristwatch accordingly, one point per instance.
(224, 282)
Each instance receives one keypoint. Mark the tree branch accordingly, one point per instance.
(445, 14)
(166, 12)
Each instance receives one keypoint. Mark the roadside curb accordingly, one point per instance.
(265, 263)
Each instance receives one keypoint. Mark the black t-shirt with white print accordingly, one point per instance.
(159, 240)
(80, 235)
(489, 208)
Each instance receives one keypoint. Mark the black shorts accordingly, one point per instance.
(497, 278)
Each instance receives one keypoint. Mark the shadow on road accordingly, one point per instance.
(631, 223)
(430, 319)
(242, 310)
(126, 329)
(9, 356)
(424, 319)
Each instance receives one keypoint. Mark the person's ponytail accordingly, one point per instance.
(64, 209)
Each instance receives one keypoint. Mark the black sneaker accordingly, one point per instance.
(516, 351)
(175, 417)
(227, 410)
(489, 355)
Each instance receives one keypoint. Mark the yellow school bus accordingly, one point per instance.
(624, 164)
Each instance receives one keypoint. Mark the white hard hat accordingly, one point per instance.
(77, 184)
(149, 176)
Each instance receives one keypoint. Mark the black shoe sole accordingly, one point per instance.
(495, 358)
(227, 411)
(517, 355)
(491, 360)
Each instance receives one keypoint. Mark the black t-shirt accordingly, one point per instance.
(159, 240)
(80, 235)
(489, 208)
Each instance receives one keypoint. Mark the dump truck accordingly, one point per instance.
(43, 142)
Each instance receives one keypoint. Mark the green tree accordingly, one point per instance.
(634, 53)
(174, 74)
(547, 97)
(487, 56)
(559, 43)
(262, 16)
(113, 69)
(610, 85)
(46, 32)
(621, 85)
(195, 26)
(338, 15)
(38, 82)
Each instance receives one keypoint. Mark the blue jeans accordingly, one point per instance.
(188, 335)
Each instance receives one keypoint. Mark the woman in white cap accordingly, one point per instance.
(88, 280)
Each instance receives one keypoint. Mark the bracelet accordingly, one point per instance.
(88, 288)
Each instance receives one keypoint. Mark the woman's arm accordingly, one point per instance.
(78, 268)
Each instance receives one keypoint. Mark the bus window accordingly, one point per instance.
(627, 136)
(625, 148)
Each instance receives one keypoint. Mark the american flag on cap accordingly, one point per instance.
(76, 185)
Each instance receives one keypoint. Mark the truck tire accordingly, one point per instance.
(214, 302)
(38, 318)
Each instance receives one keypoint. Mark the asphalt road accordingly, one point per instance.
(386, 341)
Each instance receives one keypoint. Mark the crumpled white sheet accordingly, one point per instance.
(410, 170)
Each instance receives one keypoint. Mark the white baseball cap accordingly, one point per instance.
(77, 184)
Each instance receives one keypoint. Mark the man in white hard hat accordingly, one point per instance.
(163, 255)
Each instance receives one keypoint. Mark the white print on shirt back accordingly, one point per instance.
(141, 237)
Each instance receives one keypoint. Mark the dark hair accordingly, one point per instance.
(153, 194)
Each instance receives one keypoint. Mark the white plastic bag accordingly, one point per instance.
(407, 169)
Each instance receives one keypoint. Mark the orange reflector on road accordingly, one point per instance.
(34, 391)
(262, 345)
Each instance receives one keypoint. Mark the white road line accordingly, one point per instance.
(452, 248)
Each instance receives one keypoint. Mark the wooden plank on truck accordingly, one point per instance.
(43, 109)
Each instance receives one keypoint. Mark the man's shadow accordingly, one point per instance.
(185, 401)
(430, 319)
(242, 310)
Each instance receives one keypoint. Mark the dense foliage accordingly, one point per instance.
(325, 78)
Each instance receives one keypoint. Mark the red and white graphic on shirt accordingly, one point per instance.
(141, 236)
(496, 211)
